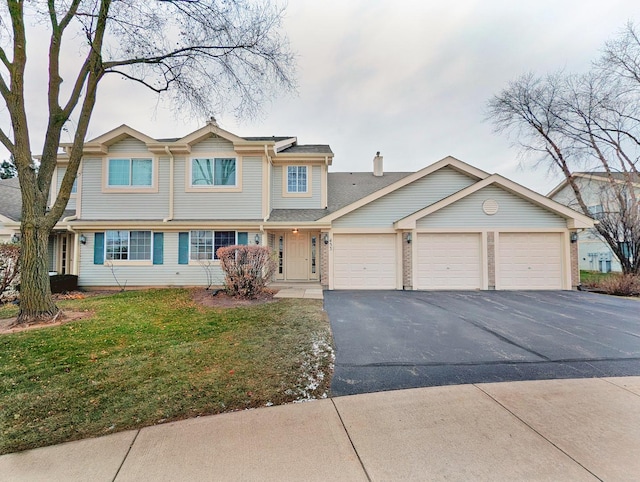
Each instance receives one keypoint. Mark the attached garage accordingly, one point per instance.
(449, 261)
(364, 261)
(530, 261)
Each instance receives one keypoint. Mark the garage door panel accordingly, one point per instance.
(449, 261)
(529, 261)
(364, 261)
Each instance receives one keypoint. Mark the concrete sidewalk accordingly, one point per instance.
(586, 429)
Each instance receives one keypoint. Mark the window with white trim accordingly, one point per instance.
(296, 179)
(130, 173)
(204, 244)
(219, 171)
(128, 245)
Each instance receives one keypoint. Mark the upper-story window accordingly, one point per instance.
(130, 173)
(217, 171)
(74, 188)
(296, 179)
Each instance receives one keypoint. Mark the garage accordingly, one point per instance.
(364, 261)
(530, 261)
(450, 261)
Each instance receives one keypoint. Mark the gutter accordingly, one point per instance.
(171, 169)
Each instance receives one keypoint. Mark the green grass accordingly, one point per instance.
(153, 356)
(593, 277)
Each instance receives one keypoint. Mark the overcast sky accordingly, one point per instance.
(408, 78)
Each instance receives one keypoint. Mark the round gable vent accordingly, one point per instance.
(490, 206)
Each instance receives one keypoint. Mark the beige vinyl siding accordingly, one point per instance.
(72, 200)
(385, 211)
(212, 144)
(135, 205)
(513, 211)
(246, 204)
(278, 201)
(128, 144)
(170, 273)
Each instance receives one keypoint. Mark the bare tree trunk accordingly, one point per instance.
(36, 302)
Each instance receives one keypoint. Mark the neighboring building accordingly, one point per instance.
(10, 207)
(594, 254)
(152, 212)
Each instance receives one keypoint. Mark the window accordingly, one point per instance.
(204, 244)
(74, 188)
(213, 172)
(128, 245)
(130, 172)
(596, 211)
(296, 178)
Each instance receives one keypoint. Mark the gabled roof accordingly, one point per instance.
(574, 218)
(597, 176)
(287, 145)
(448, 161)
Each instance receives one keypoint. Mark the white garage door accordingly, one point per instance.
(449, 261)
(364, 261)
(530, 261)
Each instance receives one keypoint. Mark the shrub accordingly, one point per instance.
(9, 271)
(618, 284)
(247, 269)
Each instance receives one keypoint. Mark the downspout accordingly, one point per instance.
(268, 199)
(171, 168)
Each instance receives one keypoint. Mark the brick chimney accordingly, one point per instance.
(377, 165)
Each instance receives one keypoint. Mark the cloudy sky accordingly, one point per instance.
(408, 78)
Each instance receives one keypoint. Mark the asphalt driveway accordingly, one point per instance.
(387, 340)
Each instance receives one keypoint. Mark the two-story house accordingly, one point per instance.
(594, 254)
(152, 212)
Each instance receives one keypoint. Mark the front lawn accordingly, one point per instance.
(146, 357)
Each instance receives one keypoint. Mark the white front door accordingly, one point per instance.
(297, 256)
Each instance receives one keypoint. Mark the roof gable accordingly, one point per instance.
(449, 161)
(119, 133)
(598, 176)
(574, 218)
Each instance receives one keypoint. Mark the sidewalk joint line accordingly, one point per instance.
(604, 379)
(351, 441)
(126, 455)
(534, 430)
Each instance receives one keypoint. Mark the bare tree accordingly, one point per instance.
(590, 122)
(208, 55)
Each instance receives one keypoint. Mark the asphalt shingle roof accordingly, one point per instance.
(343, 188)
(309, 148)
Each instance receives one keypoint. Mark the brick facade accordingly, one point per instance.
(575, 266)
(491, 259)
(324, 261)
(406, 262)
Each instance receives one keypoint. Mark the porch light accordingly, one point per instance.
(15, 238)
(326, 238)
(573, 237)
(408, 238)
(83, 239)
(257, 239)
(295, 230)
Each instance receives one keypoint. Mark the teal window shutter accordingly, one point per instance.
(183, 248)
(158, 247)
(98, 248)
(243, 238)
